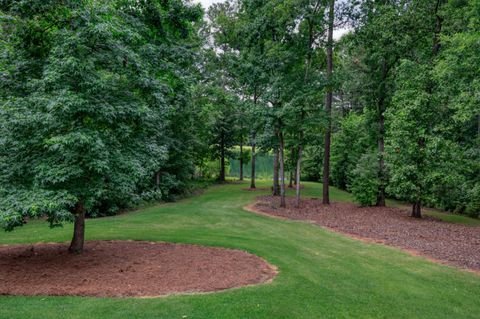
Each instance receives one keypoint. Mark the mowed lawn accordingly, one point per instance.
(322, 274)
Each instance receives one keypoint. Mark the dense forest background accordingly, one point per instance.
(104, 104)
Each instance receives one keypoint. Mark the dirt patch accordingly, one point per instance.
(126, 269)
(448, 243)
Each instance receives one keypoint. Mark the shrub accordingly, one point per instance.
(365, 181)
(473, 207)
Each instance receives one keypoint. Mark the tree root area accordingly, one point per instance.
(443, 242)
(126, 269)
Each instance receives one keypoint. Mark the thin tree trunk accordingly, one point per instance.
(222, 162)
(295, 174)
(478, 127)
(292, 173)
(381, 138)
(282, 170)
(438, 28)
(381, 163)
(254, 155)
(417, 210)
(157, 179)
(241, 160)
(252, 177)
(76, 245)
(276, 188)
(297, 177)
(328, 105)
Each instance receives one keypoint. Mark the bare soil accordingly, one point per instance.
(126, 269)
(440, 241)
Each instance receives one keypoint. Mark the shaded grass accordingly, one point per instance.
(322, 274)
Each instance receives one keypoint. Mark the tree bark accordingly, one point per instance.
(478, 127)
(221, 178)
(282, 170)
(417, 210)
(241, 160)
(328, 105)
(438, 28)
(276, 187)
(157, 179)
(76, 245)
(297, 176)
(252, 177)
(381, 163)
(292, 173)
(381, 137)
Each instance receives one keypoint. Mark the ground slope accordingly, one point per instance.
(322, 274)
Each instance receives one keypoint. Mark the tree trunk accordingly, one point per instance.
(221, 178)
(417, 210)
(328, 105)
(478, 127)
(157, 179)
(254, 135)
(292, 174)
(76, 245)
(241, 161)
(282, 171)
(252, 178)
(297, 177)
(276, 187)
(381, 164)
(295, 174)
(381, 135)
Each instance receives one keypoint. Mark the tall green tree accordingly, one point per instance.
(88, 90)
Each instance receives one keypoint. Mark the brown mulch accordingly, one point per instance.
(126, 269)
(448, 243)
(262, 189)
(270, 188)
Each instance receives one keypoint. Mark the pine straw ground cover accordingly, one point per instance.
(126, 269)
(454, 244)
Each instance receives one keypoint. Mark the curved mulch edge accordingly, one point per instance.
(412, 252)
(132, 269)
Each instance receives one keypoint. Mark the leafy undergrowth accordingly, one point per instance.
(322, 274)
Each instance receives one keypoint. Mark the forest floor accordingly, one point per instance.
(321, 274)
(126, 269)
(450, 243)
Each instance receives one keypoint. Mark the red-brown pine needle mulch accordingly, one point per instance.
(449, 243)
(126, 269)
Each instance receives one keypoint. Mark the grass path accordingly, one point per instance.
(322, 274)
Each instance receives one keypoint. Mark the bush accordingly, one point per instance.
(365, 181)
(348, 145)
(473, 207)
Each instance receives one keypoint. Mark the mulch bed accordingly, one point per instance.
(126, 269)
(444, 242)
(259, 189)
(270, 188)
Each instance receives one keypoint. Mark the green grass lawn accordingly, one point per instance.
(322, 274)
